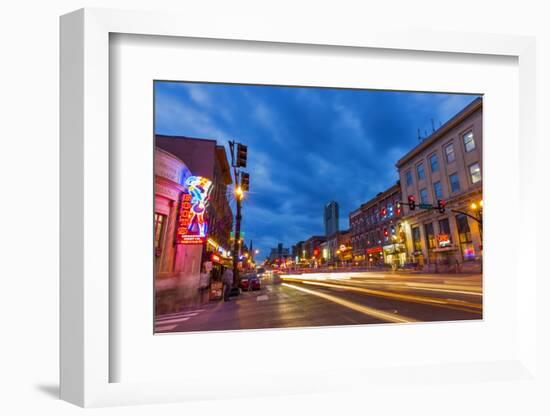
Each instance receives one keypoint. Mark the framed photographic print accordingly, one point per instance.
(325, 200)
(351, 218)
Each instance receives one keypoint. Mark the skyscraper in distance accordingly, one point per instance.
(331, 218)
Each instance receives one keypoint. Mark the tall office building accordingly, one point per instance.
(331, 218)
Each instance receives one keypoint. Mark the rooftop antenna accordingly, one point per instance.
(433, 127)
(425, 133)
(419, 137)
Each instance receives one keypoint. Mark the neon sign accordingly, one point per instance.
(192, 225)
(372, 250)
(444, 240)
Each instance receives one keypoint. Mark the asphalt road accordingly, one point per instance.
(331, 299)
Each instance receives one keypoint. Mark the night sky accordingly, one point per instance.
(306, 146)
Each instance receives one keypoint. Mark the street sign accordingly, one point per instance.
(425, 206)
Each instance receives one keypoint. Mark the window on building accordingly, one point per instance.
(469, 143)
(160, 221)
(444, 227)
(409, 178)
(437, 190)
(423, 196)
(430, 236)
(465, 237)
(434, 164)
(475, 172)
(455, 182)
(416, 238)
(420, 171)
(450, 153)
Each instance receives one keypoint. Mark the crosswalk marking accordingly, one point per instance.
(180, 313)
(262, 297)
(177, 316)
(170, 321)
(164, 328)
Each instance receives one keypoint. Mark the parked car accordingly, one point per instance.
(261, 272)
(250, 282)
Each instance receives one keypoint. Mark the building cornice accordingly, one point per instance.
(445, 128)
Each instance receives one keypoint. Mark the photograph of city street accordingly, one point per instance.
(300, 207)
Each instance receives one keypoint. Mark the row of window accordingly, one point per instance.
(454, 182)
(469, 145)
(374, 216)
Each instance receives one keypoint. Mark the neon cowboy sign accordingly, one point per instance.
(192, 224)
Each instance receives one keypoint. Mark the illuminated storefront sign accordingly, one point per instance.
(192, 224)
(376, 249)
(444, 240)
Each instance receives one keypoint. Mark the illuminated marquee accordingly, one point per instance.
(192, 225)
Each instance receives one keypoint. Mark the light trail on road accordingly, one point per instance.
(441, 302)
(376, 313)
(433, 287)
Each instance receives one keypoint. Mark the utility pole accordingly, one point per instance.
(237, 242)
(241, 185)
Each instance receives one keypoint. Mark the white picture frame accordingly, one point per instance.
(85, 211)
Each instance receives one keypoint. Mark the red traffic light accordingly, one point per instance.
(441, 205)
(385, 232)
(412, 202)
(383, 211)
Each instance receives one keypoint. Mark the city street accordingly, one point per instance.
(328, 299)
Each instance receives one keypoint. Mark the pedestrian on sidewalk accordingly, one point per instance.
(228, 283)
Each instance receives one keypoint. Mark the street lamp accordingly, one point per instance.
(239, 194)
(241, 185)
(478, 209)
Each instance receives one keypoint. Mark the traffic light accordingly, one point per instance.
(441, 205)
(245, 181)
(392, 230)
(383, 212)
(412, 202)
(241, 155)
(385, 232)
(398, 204)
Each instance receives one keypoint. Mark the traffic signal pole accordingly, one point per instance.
(479, 220)
(241, 185)
(237, 241)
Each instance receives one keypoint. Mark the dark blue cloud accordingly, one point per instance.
(307, 146)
